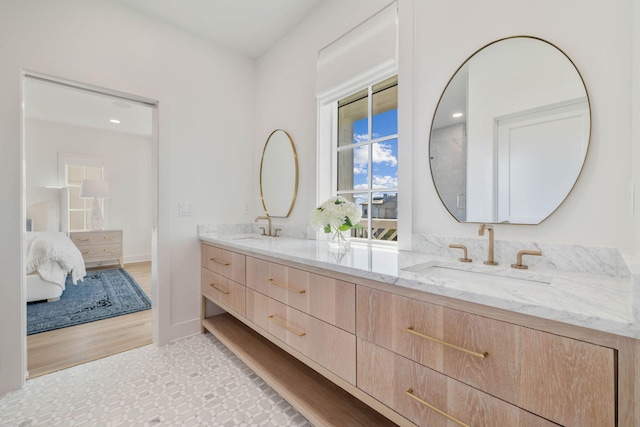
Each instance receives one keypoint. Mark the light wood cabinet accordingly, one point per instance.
(331, 347)
(98, 246)
(320, 296)
(220, 289)
(224, 262)
(429, 398)
(565, 380)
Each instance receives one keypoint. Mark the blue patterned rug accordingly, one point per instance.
(102, 294)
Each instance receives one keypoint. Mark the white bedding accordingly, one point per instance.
(53, 255)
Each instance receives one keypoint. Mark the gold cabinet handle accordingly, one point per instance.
(87, 252)
(213, 285)
(112, 251)
(84, 240)
(441, 412)
(273, 282)
(220, 261)
(279, 323)
(110, 238)
(471, 352)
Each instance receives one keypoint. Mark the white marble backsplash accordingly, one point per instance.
(291, 231)
(566, 258)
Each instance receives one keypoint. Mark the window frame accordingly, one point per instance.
(84, 160)
(327, 142)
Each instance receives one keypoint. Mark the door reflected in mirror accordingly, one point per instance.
(278, 175)
(510, 133)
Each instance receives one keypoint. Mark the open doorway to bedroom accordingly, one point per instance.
(90, 159)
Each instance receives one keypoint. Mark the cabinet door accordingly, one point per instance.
(222, 290)
(325, 344)
(223, 262)
(567, 381)
(429, 398)
(327, 299)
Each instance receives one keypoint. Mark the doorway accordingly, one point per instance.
(70, 127)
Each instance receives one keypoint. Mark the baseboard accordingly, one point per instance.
(130, 259)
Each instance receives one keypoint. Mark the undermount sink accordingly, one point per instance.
(251, 237)
(485, 278)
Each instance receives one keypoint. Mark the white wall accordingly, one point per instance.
(127, 161)
(205, 133)
(436, 38)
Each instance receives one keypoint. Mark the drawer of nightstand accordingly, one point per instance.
(223, 290)
(224, 262)
(329, 346)
(327, 299)
(428, 398)
(100, 251)
(80, 238)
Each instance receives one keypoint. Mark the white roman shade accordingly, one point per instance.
(370, 49)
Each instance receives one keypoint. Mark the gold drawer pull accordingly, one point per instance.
(220, 261)
(111, 251)
(273, 282)
(471, 352)
(213, 285)
(87, 252)
(84, 240)
(441, 412)
(110, 238)
(279, 323)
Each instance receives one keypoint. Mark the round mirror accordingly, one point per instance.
(278, 175)
(510, 133)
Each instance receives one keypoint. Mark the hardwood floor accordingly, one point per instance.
(55, 350)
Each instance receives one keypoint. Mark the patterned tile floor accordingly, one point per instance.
(193, 382)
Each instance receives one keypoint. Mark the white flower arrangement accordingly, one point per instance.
(336, 215)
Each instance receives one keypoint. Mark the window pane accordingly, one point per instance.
(384, 216)
(76, 220)
(353, 122)
(384, 162)
(75, 202)
(353, 169)
(94, 172)
(385, 112)
(75, 174)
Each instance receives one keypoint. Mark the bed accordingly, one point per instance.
(50, 257)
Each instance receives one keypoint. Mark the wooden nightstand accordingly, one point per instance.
(99, 246)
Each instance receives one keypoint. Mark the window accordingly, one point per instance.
(366, 169)
(75, 170)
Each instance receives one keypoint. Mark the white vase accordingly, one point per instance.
(339, 240)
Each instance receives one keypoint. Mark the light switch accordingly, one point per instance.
(185, 209)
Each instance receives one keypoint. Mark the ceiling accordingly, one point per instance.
(249, 27)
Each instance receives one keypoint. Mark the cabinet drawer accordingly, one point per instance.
(428, 398)
(226, 263)
(223, 290)
(101, 251)
(80, 238)
(331, 347)
(327, 299)
(567, 381)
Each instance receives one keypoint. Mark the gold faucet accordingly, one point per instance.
(464, 252)
(268, 218)
(489, 228)
(519, 263)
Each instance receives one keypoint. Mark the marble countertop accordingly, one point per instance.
(599, 302)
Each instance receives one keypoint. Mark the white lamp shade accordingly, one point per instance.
(91, 188)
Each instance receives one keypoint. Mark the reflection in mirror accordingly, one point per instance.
(278, 175)
(510, 134)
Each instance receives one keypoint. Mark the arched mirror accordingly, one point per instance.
(278, 175)
(510, 133)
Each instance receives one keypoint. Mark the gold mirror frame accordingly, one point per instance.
(277, 178)
(455, 198)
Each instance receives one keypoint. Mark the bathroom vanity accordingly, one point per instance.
(346, 337)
